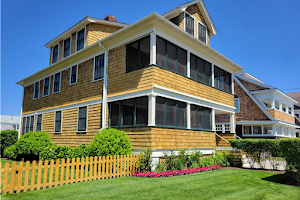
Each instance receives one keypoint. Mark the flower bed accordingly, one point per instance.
(176, 172)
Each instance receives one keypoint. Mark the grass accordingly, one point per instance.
(221, 184)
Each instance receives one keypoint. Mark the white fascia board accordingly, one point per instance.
(254, 82)
(278, 92)
(266, 122)
(253, 98)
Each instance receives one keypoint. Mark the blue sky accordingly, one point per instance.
(261, 36)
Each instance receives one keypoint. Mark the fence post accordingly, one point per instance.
(81, 169)
(5, 178)
(51, 173)
(67, 171)
(72, 170)
(77, 170)
(103, 167)
(99, 167)
(19, 176)
(33, 171)
(56, 172)
(27, 165)
(45, 174)
(62, 172)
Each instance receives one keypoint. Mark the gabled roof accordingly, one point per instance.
(80, 25)
(296, 96)
(174, 12)
(251, 79)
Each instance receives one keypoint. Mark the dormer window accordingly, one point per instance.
(189, 24)
(202, 32)
(67, 47)
(80, 39)
(55, 54)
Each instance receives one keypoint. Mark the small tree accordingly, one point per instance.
(145, 160)
(8, 138)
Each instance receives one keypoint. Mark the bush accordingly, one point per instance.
(170, 160)
(160, 168)
(290, 149)
(29, 146)
(11, 152)
(56, 152)
(145, 161)
(81, 151)
(110, 142)
(8, 138)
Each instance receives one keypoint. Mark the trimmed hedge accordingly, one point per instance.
(8, 138)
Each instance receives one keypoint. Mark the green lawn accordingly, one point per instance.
(221, 184)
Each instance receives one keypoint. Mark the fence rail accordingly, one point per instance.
(41, 175)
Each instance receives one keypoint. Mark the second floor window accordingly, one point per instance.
(202, 33)
(138, 54)
(55, 54)
(46, 86)
(99, 67)
(189, 24)
(222, 79)
(36, 90)
(56, 83)
(57, 123)
(73, 74)
(80, 39)
(200, 70)
(67, 47)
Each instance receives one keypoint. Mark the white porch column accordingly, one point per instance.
(232, 84)
(272, 103)
(293, 113)
(152, 48)
(188, 64)
(188, 115)
(286, 109)
(212, 75)
(274, 129)
(213, 121)
(104, 96)
(280, 106)
(232, 123)
(151, 110)
(223, 128)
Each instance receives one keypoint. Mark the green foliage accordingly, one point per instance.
(56, 152)
(81, 151)
(290, 149)
(160, 168)
(145, 160)
(207, 161)
(195, 157)
(182, 159)
(29, 146)
(8, 138)
(110, 142)
(170, 160)
(11, 152)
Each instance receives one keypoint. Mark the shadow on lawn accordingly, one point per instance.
(285, 179)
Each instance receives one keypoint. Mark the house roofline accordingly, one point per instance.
(277, 91)
(253, 81)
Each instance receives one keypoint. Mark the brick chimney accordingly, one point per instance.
(111, 18)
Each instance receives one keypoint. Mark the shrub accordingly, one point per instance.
(290, 149)
(11, 152)
(8, 138)
(182, 160)
(81, 151)
(29, 146)
(56, 152)
(170, 160)
(110, 142)
(145, 160)
(195, 157)
(160, 168)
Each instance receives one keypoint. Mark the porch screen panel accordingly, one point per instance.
(200, 68)
(181, 114)
(171, 112)
(24, 126)
(133, 56)
(160, 111)
(200, 117)
(216, 75)
(142, 111)
(207, 118)
(144, 52)
(114, 113)
(27, 124)
(207, 67)
(193, 65)
(182, 61)
(172, 55)
(193, 116)
(160, 52)
(128, 110)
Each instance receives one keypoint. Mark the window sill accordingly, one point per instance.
(73, 83)
(55, 92)
(98, 79)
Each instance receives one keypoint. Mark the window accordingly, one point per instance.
(237, 105)
(57, 123)
(46, 86)
(189, 24)
(200, 70)
(267, 129)
(170, 113)
(36, 90)
(82, 119)
(257, 130)
(278, 130)
(31, 123)
(222, 79)
(67, 47)
(73, 75)
(56, 83)
(202, 32)
(99, 67)
(138, 54)
(80, 39)
(129, 112)
(24, 126)
(39, 122)
(27, 124)
(55, 54)
(170, 56)
(247, 130)
(200, 118)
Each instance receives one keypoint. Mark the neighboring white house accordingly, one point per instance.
(9, 122)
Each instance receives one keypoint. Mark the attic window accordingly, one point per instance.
(202, 32)
(189, 24)
(80, 39)
(55, 54)
(67, 48)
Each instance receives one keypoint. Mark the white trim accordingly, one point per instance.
(276, 91)
(34, 90)
(254, 99)
(59, 83)
(63, 50)
(61, 118)
(83, 39)
(253, 81)
(152, 48)
(104, 90)
(71, 74)
(94, 61)
(185, 12)
(57, 53)
(87, 111)
(199, 22)
(48, 86)
(20, 128)
(151, 110)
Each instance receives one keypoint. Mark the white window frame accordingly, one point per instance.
(37, 121)
(198, 22)
(59, 83)
(83, 39)
(87, 115)
(34, 90)
(185, 12)
(57, 54)
(63, 50)
(60, 123)
(48, 87)
(239, 106)
(76, 74)
(95, 66)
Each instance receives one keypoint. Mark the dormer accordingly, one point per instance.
(84, 33)
(193, 18)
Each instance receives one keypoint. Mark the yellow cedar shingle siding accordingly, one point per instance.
(282, 116)
(73, 43)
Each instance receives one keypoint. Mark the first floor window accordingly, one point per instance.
(39, 122)
(55, 54)
(200, 117)
(36, 90)
(24, 126)
(58, 118)
(82, 118)
(99, 67)
(247, 130)
(56, 83)
(31, 123)
(46, 86)
(73, 73)
(257, 130)
(27, 124)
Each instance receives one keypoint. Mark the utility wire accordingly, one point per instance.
(291, 89)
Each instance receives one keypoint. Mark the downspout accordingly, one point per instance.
(242, 117)
(19, 135)
(104, 96)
